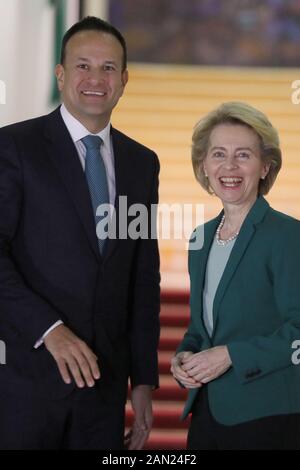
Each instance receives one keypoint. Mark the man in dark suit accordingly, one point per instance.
(78, 315)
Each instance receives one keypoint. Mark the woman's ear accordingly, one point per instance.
(265, 170)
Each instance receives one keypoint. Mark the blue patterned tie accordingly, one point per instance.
(96, 177)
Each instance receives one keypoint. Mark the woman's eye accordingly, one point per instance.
(243, 155)
(218, 155)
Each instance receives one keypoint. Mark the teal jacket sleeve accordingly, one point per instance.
(262, 355)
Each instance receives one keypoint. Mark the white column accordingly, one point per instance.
(72, 12)
(98, 8)
(8, 58)
(25, 52)
(2, 92)
(26, 56)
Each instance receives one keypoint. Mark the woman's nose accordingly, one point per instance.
(230, 163)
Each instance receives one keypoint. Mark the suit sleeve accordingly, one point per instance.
(262, 355)
(145, 328)
(21, 309)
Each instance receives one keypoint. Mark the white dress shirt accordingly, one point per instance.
(77, 132)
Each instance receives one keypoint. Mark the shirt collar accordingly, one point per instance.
(78, 131)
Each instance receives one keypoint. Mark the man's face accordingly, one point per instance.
(91, 79)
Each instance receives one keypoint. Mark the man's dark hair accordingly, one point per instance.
(92, 23)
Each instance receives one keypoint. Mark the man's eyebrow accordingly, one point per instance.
(85, 59)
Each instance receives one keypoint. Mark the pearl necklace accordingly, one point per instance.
(218, 239)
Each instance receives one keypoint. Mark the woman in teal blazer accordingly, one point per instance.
(239, 357)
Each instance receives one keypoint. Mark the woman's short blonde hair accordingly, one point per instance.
(241, 114)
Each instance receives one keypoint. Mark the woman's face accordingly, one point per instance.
(233, 163)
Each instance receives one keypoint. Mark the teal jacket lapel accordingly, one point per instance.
(198, 270)
(255, 215)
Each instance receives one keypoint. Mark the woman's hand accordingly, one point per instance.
(178, 372)
(206, 365)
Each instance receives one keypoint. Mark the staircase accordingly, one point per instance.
(160, 107)
(168, 433)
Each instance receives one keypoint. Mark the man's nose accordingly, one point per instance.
(96, 75)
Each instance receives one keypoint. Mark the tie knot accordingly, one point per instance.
(92, 142)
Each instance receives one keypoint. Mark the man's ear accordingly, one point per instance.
(125, 77)
(60, 76)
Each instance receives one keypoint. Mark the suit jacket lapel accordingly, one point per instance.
(123, 172)
(247, 231)
(123, 178)
(64, 156)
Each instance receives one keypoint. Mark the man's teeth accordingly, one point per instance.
(231, 182)
(98, 93)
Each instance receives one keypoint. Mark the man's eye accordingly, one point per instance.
(109, 68)
(83, 66)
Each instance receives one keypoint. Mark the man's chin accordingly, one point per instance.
(93, 112)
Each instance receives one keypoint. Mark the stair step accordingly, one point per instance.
(170, 338)
(167, 439)
(169, 389)
(175, 297)
(164, 361)
(169, 432)
(174, 315)
(166, 415)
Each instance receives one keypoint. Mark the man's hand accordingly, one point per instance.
(141, 401)
(72, 355)
(207, 365)
(180, 374)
